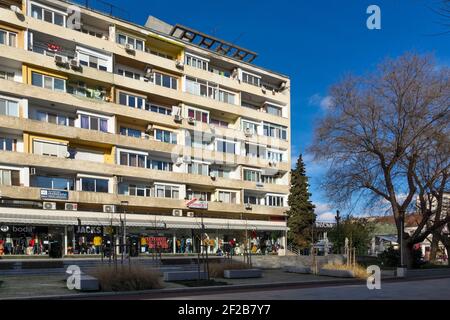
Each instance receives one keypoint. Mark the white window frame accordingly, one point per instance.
(127, 39)
(9, 100)
(53, 10)
(7, 39)
(216, 145)
(144, 100)
(204, 61)
(53, 81)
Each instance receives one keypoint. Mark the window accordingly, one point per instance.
(227, 197)
(162, 54)
(274, 156)
(133, 159)
(275, 131)
(165, 136)
(138, 190)
(251, 199)
(219, 123)
(47, 15)
(198, 115)
(160, 165)
(47, 148)
(250, 126)
(255, 151)
(275, 110)
(196, 62)
(221, 172)
(268, 179)
(52, 183)
(251, 79)
(165, 80)
(208, 89)
(159, 109)
(92, 61)
(166, 191)
(9, 177)
(94, 185)
(125, 39)
(93, 123)
(130, 132)
(7, 144)
(8, 38)
(274, 201)
(5, 75)
(226, 146)
(198, 168)
(131, 100)
(202, 196)
(252, 175)
(54, 118)
(9, 107)
(48, 82)
(129, 74)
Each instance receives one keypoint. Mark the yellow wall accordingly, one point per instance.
(26, 73)
(28, 141)
(20, 34)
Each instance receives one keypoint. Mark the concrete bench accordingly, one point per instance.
(88, 283)
(184, 275)
(242, 273)
(303, 270)
(336, 273)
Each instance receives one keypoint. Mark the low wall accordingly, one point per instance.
(278, 262)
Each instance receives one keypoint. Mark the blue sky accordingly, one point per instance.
(314, 42)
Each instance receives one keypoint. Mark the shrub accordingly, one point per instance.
(127, 278)
(358, 270)
(217, 269)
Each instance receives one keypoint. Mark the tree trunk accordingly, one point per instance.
(408, 255)
(434, 249)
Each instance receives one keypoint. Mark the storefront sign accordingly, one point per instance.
(49, 194)
(89, 230)
(197, 204)
(157, 242)
(4, 228)
(28, 230)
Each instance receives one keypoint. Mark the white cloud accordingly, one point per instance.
(324, 212)
(318, 100)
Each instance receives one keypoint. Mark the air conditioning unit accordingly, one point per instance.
(49, 205)
(190, 214)
(248, 206)
(263, 90)
(177, 118)
(149, 128)
(179, 64)
(129, 48)
(177, 213)
(248, 132)
(61, 61)
(32, 171)
(109, 208)
(75, 64)
(191, 120)
(213, 176)
(71, 206)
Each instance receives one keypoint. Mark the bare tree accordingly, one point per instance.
(376, 133)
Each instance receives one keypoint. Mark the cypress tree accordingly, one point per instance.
(301, 216)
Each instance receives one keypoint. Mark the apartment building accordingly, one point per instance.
(158, 128)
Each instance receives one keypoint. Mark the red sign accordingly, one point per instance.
(157, 242)
(53, 47)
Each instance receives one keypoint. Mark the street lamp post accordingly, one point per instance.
(124, 204)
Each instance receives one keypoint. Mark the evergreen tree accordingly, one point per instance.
(301, 216)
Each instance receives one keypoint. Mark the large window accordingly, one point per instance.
(133, 159)
(221, 172)
(269, 179)
(252, 175)
(159, 109)
(90, 60)
(251, 79)
(8, 38)
(160, 165)
(275, 131)
(165, 136)
(165, 80)
(7, 144)
(167, 191)
(275, 110)
(227, 197)
(130, 132)
(198, 168)
(52, 183)
(126, 39)
(199, 195)
(275, 156)
(94, 185)
(250, 126)
(9, 107)
(55, 118)
(219, 123)
(9, 177)
(198, 115)
(196, 62)
(226, 146)
(6, 75)
(48, 82)
(137, 190)
(251, 199)
(131, 100)
(48, 15)
(93, 123)
(255, 151)
(209, 89)
(274, 201)
(47, 148)
(129, 74)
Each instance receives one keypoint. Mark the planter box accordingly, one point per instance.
(242, 274)
(336, 273)
(184, 275)
(303, 270)
(88, 283)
